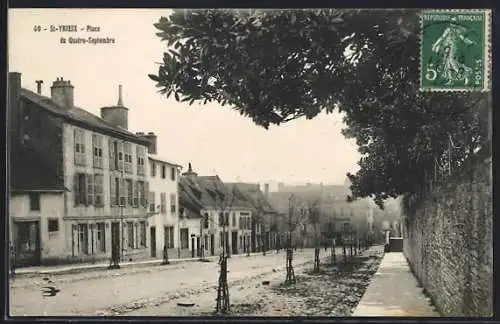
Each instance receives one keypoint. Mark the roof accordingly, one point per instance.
(31, 172)
(188, 198)
(161, 159)
(80, 117)
(254, 195)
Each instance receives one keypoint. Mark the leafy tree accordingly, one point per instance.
(278, 65)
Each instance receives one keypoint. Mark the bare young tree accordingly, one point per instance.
(314, 215)
(296, 215)
(224, 202)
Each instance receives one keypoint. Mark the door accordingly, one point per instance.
(153, 241)
(27, 246)
(234, 241)
(115, 239)
(198, 246)
(192, 247)
(212, 243)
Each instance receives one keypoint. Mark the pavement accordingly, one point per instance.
(81, 267)
(394, 291)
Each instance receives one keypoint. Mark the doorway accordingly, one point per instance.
(27, 243)
(153, 241)
(115, 239)
(198, 248)
(234, 241)
(212, 243)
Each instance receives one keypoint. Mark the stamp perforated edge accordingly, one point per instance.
(487, 51)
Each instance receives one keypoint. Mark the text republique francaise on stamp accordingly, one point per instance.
(455, 50)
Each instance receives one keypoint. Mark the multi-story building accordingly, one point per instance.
(163, 199)
(99, 163)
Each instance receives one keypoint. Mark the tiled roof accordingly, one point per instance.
(80, 116)
(254, 195)
(188, 198)
(31, 172)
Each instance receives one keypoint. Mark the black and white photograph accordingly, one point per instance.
(249, 162)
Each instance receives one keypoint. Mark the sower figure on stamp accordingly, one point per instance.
(446, 46)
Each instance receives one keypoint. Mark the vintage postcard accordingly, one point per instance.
(250, 162)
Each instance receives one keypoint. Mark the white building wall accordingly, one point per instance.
(166, 185)
(52, 244)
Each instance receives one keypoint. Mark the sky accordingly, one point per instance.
(215, 139)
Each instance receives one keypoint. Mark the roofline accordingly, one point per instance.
(161, 160)
(114, 132)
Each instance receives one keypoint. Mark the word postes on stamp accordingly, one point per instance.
(454, 50)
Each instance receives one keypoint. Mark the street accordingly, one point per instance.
(120, 292)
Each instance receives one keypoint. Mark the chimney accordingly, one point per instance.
(120, 100)
(61, 93)
(39, 86)
(116, 115)
(266, 190)
(281, 186)
(152, 139)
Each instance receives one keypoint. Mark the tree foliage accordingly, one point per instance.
(278, 65)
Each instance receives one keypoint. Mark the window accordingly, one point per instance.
(153, 168)
(221, 219)
(205, 220)
(130, 191)
(240, 223)
(101, 237)
(173, 203)
(112, 154)
(34, 200)
(173, 171)
(163, 171)
(83, 189)
(128, 157)
(97, 150)
(83, 235)
(233, 220)
(140, 160)
(226, 218)
(130, 234)
(122, 191)
(163, 203)
(53, 225)
(79, 137)
(184, 238)
(152, 207)
(99, 190)
(142, 234)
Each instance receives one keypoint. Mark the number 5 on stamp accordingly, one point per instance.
(455, 50)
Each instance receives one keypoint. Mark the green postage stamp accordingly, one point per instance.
(455, 50)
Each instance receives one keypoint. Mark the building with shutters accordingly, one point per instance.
(90, 185)
(163, 200)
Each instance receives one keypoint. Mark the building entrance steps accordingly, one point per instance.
(394, 291)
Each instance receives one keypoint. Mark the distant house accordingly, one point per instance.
(79, 182)
(262, 214)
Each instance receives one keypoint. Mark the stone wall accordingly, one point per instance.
(448, 241)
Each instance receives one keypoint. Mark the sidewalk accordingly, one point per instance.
(394, 291)
(80, 267)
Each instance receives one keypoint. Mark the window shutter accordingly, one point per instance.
(120, 153)
(111, 155)
(90, 187)
(121, 192)
(136, 193)
(146, 193)
(76, 191)
(112, 191)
